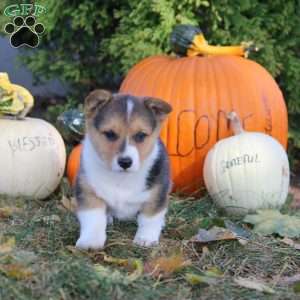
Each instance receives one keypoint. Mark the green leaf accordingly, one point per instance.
(267, 222)
(195, 279)
(209, 277)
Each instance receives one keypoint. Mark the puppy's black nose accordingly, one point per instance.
(125, 162)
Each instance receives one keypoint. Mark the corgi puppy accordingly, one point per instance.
(124, 169)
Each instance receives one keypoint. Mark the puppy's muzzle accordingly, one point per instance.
(125, 162)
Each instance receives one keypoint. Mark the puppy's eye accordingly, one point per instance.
(139, 137)
(111, 135)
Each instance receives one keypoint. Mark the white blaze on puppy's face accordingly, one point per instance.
(130, 105)
(131, 153)
(128, 152)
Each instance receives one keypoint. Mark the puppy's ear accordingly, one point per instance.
(96, 100)
(159, 107)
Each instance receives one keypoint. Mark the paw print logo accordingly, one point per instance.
(24, 32)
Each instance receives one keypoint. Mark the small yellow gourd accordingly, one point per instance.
(15, 100)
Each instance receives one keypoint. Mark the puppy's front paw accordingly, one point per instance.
(145, 241)
(94, 242)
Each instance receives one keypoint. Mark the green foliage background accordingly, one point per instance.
(94, 43)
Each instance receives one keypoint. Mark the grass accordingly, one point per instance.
(43, 264)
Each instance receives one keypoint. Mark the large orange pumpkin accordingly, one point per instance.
(202, 90)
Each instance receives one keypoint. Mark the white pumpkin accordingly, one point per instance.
(32, 158)
(247, 171)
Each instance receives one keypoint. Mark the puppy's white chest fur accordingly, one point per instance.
(123, 192)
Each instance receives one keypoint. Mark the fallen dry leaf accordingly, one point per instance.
(8, 245)
(69, 203)
(165, 266)
(133, 264)
(291, 243)
(16, 271)
(115, 260)
(253, 284)
(213, 234)
(8, 211)
(231, 232)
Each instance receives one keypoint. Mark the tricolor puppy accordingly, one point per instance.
(124, 169)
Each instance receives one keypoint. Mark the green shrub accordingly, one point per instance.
(94, 43)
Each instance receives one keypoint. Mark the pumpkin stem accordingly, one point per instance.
(189, 40)
(235, 123)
